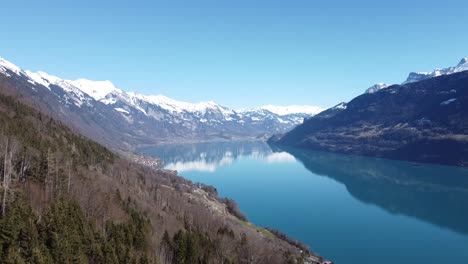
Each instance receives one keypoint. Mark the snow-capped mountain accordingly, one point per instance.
(424, 121)
(376, 87)
(102, 111)
(419, 76)
(96, 89)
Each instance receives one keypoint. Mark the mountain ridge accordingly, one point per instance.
(422, 121)
(99, 90)
(419, 76)
(110, 115)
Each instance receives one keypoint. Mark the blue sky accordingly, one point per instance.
(239, 53)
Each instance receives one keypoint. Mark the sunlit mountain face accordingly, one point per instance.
(123, 119)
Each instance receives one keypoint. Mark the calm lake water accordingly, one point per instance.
(349, 209)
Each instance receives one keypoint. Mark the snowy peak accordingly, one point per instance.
(419, 76)
(39, 77)
(96, 89)
(293, 109)
(8, 66)
(177, 106)
(463, 61)
(376, 87)
(158, 107)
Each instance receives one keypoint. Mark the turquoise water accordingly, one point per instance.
(349, 209)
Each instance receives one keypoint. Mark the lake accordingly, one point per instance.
(350, 209)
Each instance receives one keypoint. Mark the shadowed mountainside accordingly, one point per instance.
(425, 121)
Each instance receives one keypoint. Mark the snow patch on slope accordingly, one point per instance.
(449, 101)
(121, 110)
(45, 79)
(340, 106)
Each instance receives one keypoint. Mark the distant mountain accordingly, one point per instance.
(112, 116)
(424, 120)
(293, 109)
(419, 76)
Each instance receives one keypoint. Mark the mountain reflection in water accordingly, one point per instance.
(210, 156)
(433, 193)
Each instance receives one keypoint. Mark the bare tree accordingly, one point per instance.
(10, 151)
(50, 173)
(25, 164)
(5, 178)
(69, 175)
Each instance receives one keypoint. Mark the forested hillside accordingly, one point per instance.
(67, 199)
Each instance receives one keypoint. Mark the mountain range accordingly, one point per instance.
(419, 76)
(424, 119)
(101, 111)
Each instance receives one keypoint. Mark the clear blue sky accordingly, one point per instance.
(240, 53)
